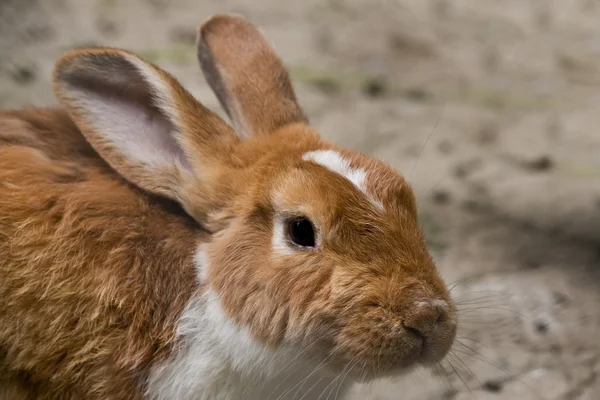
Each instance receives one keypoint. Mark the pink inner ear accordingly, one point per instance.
(139, 131)
(120, 108)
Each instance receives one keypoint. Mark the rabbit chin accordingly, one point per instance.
(218, 360)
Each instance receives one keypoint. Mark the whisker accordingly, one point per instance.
(443, 178)
(425, 143)
(459, 338)
(490, 297)
(480, 356)
(461, 378)
(460, 282)
(486, 291)
(276, 353)
(456, 357)
(474, 309)
(340, 383)
(357, 357)
(309, 389)
(300, 354)
(480, 303)
(331, 384)
(476, 323)
(442, 372)
(303, 381)
(378, 360)
(474, 353)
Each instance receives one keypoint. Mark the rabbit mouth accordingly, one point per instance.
(382, 348)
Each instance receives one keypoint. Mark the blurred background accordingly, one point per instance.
(491, 108)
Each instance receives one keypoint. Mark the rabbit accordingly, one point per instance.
(151, 250)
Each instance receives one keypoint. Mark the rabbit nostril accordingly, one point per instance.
(413, 331)
(424, 319)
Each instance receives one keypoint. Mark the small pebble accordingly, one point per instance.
(543, 163)
(560, 298)
(472, 205)
(441, 197)
(493, 387)
(460, 171)
(541, 327)
(417, 94)
(374, 88)
(23, 75)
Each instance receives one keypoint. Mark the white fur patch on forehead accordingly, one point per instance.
(333, 161)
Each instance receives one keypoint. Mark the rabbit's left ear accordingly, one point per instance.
(247, 76)
(142, 122)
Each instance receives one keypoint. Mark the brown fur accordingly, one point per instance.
(97, 266)
(233, 55)
(352, 293)
(90, 290)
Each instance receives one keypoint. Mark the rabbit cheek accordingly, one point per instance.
(236, 271)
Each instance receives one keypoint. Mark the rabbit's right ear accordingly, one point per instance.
(142, 121)
(247, 76)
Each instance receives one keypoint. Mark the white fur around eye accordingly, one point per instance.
(333, 161)
(280, 243)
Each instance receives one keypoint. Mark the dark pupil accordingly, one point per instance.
(301, 232)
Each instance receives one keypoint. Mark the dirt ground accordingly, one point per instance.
(491, 108)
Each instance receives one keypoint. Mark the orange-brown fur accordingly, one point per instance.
(96, 251)
(238, 79)
(359, 272)
(90, 290)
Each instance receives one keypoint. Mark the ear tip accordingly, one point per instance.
(67, 63)
(222, 25)
(69, 57)
(83, 66)
(222, 19)
(72, 58)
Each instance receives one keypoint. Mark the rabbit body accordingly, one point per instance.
(93, 293)
(150, 250)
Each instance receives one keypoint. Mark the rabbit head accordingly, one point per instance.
(313, 246)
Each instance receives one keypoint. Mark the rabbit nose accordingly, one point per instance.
(425, 317)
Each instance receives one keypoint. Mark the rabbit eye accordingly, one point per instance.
(301, 232)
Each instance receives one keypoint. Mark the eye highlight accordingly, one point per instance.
(301, 231)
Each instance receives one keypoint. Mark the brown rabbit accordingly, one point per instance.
(150, 250)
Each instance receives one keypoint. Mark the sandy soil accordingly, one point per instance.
(490, 107)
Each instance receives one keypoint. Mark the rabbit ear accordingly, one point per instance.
(140, 119)
(247, 76)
